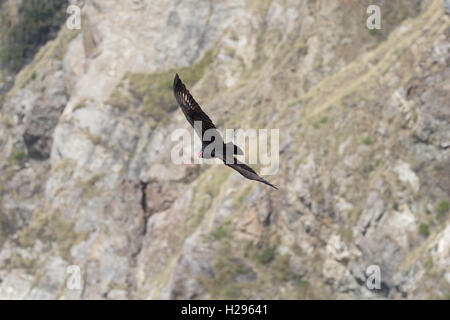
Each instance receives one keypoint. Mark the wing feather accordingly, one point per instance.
(190, 107)
(247, 172)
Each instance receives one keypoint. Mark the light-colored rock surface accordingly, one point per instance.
(86, 177)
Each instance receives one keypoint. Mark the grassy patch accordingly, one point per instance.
(237, 201)
(207, 187)
(219, 233)
(263, 252)
(320, 121)
(367, 141)
(119, 100)
(303, 283)
(368, 168)
(80, 105)
(373, 32)
(154, 91)
(17, 157)
(442, 209)
(51, 229)
(267, 255)
(424, 230)
(323, 120)
(303, 286)
(95, 139)
(211, 181)
(280, 268)
(88, 187)
(18, 261)
(428, 264)
(226, 270)
(347, 235)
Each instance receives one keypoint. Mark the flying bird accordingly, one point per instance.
(214, 148)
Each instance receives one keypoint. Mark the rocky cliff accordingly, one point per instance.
(86, 177)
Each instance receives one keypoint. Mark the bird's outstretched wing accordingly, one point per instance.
(247, 172)
(193, 113)
(190, 107)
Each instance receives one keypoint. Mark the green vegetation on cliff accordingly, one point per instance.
(38, 22)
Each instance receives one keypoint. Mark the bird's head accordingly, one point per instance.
(200, 154)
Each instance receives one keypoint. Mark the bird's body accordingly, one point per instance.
(213, 145)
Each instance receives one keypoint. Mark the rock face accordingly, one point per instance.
(86, 177)
(447, 6)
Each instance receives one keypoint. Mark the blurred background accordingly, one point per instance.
(86, 178)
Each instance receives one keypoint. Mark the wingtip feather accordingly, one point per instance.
(176, 81)
(275, 187)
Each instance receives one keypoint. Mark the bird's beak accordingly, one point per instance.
(200, 154)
